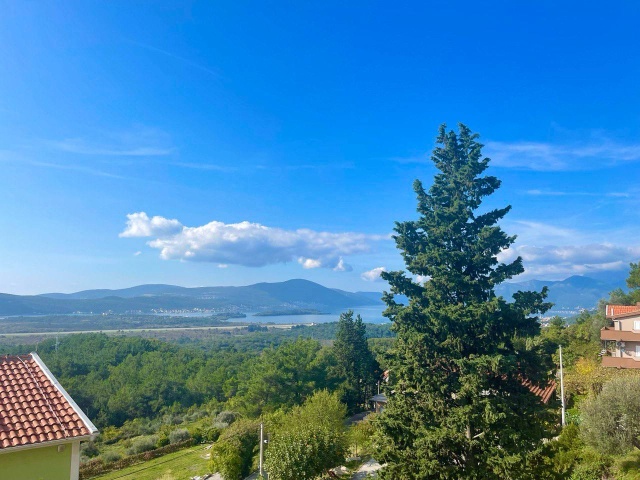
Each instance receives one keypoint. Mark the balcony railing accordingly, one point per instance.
(620, 362)
(620, 335)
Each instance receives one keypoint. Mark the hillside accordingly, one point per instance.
(291, 294)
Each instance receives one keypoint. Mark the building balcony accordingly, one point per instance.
(619, 335)
(621, 362)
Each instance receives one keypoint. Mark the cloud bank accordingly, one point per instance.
(559, 262)
(247, 244)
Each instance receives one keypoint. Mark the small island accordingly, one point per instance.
(293, 311)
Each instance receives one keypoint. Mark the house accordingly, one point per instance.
(621, 340)
(41, 427)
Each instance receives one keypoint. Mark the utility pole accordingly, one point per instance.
(261, 447)
(562, 389)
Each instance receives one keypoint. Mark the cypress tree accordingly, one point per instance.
(356, 363)
(458, 407)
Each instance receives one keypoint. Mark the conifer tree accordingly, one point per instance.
(356, 363)
(458, 407)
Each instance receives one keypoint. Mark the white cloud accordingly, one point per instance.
(309, 262)
(589, 155)
(247, 244)
(140, 225)
(137, 254)
(559, 262)
(373, 274)
(342, 266)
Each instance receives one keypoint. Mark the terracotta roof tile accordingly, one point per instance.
(613, 310)
(32, 408)
(544, 393)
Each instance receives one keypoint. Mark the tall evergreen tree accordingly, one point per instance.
(459, 408)
(356, 363)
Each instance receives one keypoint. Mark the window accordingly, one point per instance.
(637, 350)
(636, 324)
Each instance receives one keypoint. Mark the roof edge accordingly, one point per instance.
(47, 443)
(88, 423)
(634, 313)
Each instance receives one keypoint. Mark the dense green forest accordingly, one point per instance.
(145, 393)
(118, 378)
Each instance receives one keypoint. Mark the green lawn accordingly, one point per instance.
(180, 465)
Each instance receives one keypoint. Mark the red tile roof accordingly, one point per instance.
(34, 408)
(614, 310)
(544, 393)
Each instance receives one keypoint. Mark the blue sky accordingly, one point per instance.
(227, 143)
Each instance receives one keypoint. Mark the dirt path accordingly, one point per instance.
(367, 470)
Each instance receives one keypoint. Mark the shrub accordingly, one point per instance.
(142, 444)
(179, 435)
(163, 439)
(611, 420)
(224, 419)
(210, 434)
(232, 455)
(89, 449)
(110, 457)
(136, 427)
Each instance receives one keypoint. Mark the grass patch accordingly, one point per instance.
(628, 467)
(181, 465)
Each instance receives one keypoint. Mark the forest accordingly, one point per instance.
(147, 393)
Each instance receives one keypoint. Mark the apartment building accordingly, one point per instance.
(621, 340)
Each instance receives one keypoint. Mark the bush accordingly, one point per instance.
(232, 455)
(172, 419)
(179, 435)
(142, 444)
(163, 439)
(308, 440)
(89, 449)
(136, 427)
(224, 419)
(110, 457)
(210, 434)
(611, 420)
(204, 434)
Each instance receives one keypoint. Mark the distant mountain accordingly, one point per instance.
(292, 294)
(139, 291)
(375, 297)
(571, 294)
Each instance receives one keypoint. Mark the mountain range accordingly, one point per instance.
(141, 299)
(571, 294)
